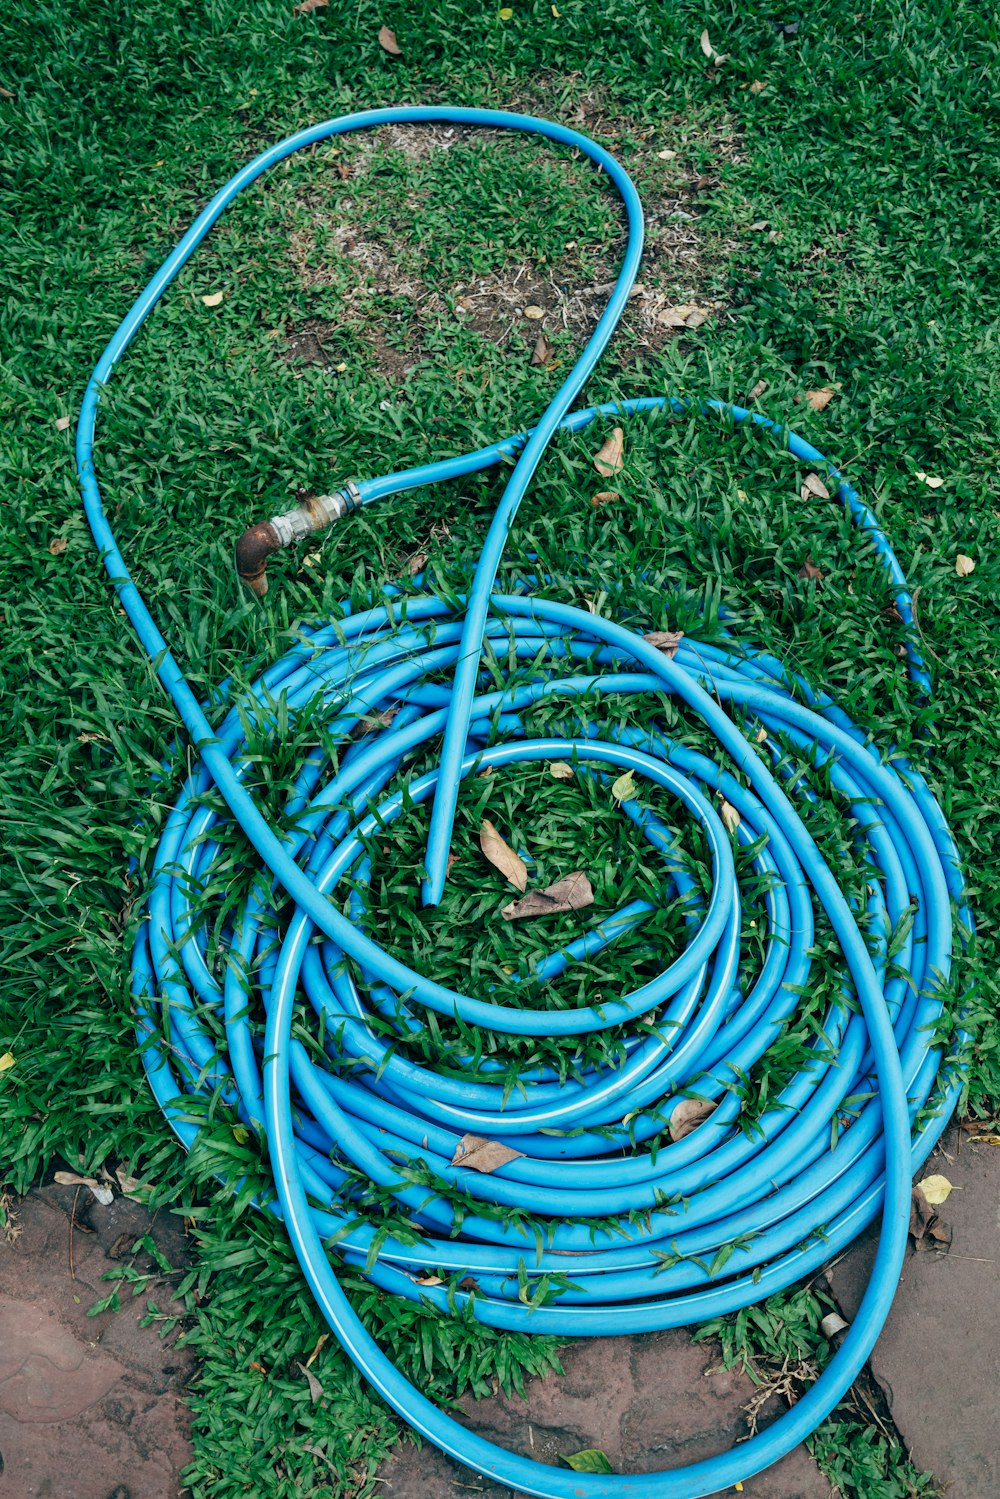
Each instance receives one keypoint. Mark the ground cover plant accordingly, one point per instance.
(812, 218)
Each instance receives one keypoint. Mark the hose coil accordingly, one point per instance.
(694, 1226)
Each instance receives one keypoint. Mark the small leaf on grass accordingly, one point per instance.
(543, 350)
(687, 1116)
(306, 6)
(819, 400)
(624, 788)
(590, 1460)
(757, 87)
(387, 41)
(213, 298)
(324, 1337)
(666, 641)
(315, 1388)
(667, 155)
(416, 563)
(931, 480)
(811, 571)
(814, 486)
(58, 545)
(502, 856)
(571, 893)
(62, 422)
(964, 565)
(7, 1061)
(131, 1186)
(709, 51)
(505, 13)
(685, 315)
(758, 390)
(831, 1324)
(534, 314)
(608, 460)
(604, 497)
(560, 770)
(936, 1189)
(729, 815)
(483, 1155)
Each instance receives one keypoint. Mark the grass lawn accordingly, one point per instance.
(824, 195)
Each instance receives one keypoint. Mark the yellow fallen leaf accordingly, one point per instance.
(936, 1189)
(7, 1061)
(556, 11)
(624, 788)
(534, 313)
(505, 13)
(608, 460)
(213, 298)
(729, 815)
(964, 565)
(560, 771)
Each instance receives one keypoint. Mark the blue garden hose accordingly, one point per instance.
(760, 1209)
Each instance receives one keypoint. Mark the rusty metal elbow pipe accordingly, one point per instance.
(315, 512)
(252, 551)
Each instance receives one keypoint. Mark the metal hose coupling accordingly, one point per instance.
(313, 513)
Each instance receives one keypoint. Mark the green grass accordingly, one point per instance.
(868, 157)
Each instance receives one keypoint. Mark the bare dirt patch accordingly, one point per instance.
(390, 298)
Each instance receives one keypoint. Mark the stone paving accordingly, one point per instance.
(93, 1407)
(90, 1407)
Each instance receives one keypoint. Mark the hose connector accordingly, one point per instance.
(314, 512)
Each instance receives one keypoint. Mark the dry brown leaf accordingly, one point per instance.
(666, 641)
(104, 1195)
(543, 350)
(387, 41)
(416, 563)
(761, 736)
(213, 298)
(5, 93)
(667, 155)
(604, 497)
(307, 5)
(925, 1225)
(58, 545)
(684, 315)
(810, 571)
(369, 722)
(315, 1388)
(131, 1186)
(608, 460)
(324, 1337)
(706, 46)
(502, 856)
(429, 1280)
(687, 1116)
(729, 815)
(758, 390)
(560, 770)
(571, 893)
(484, 1155)
(62, 422)
(757, 87)
(964, 565)
(819, 400)
(814, 486)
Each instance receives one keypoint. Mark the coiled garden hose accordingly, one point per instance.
(692, 1227)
